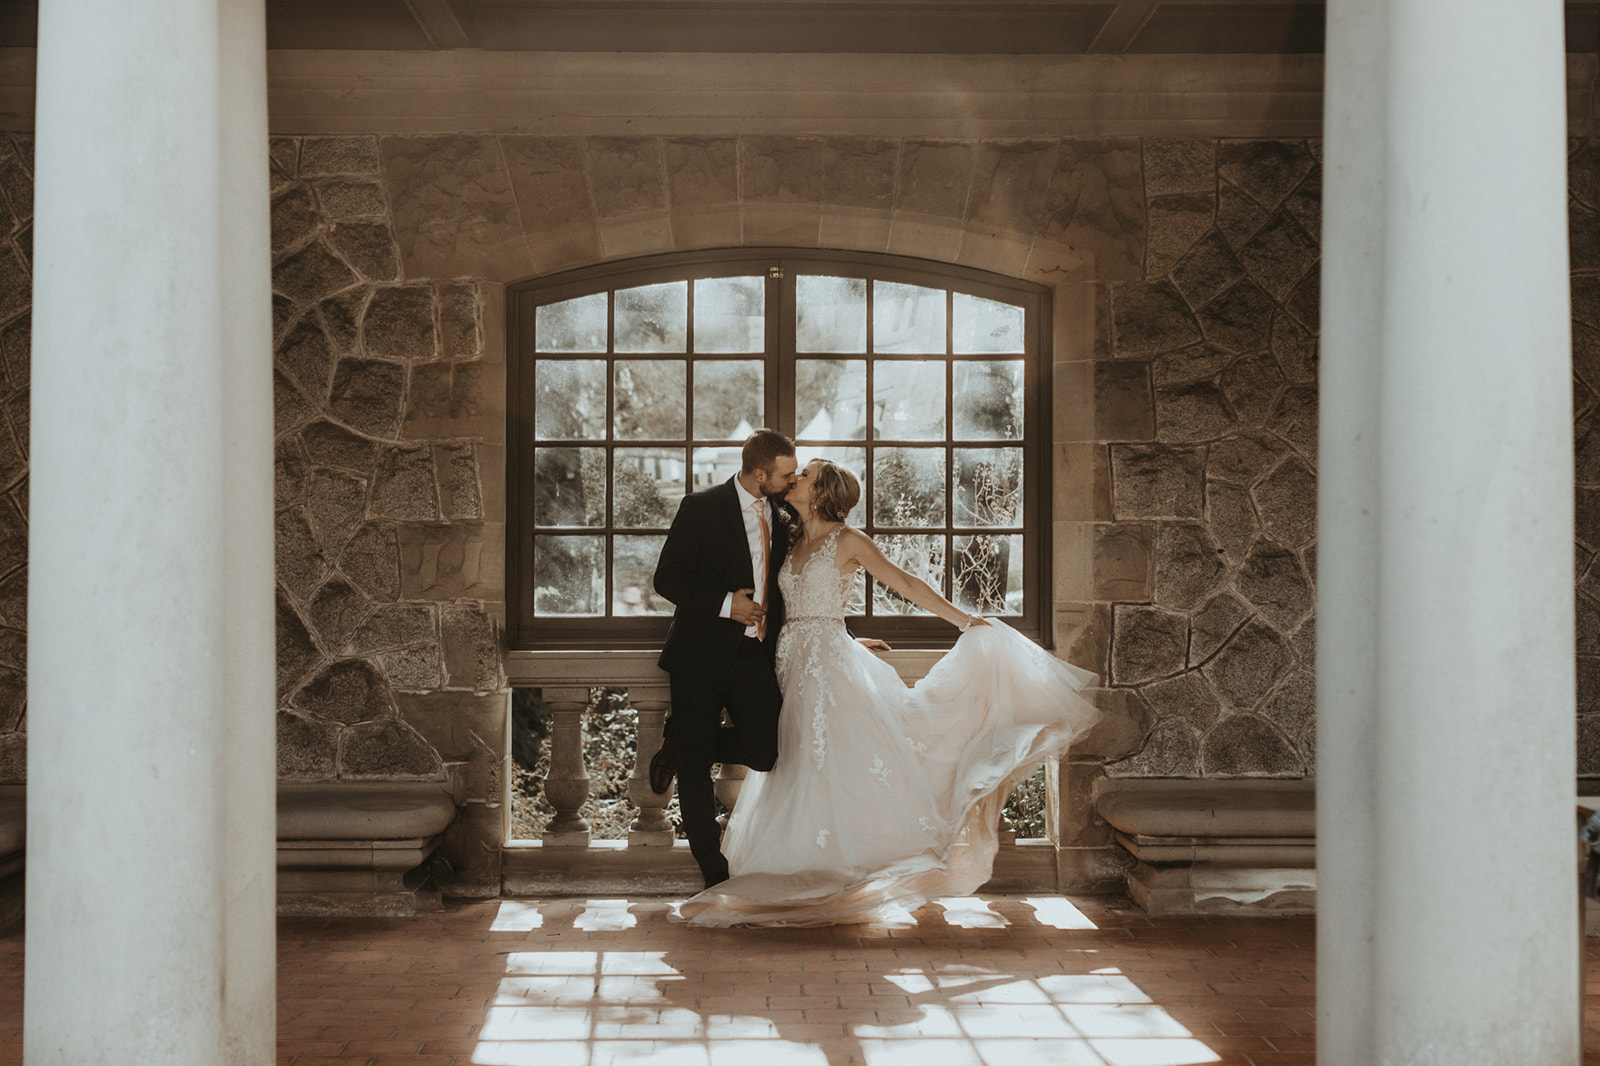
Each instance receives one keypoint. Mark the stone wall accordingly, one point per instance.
(16, 283)
(1205, 555)
(1583, 207)
(389, 415)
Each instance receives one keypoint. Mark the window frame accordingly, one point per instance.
(780, 267)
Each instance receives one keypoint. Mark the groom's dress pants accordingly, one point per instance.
(749, 691)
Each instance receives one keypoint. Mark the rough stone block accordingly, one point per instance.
(780, 169)
(455, 213)
(1305, 204)
(321, 156)
(1245, 744)
(1294, 705)
(1294, 419)
(460, 307)
(1172, 750)
(367, 394)
(1273, 580)
(297, 653)
(16, 282)
(1197, 411)
(1244, 457)
(1267, 171)
(16, 351)
(347, 691)
(419, 668)
(459, 491)
(1279, 255)
(1188, 565)
(390, 749)
(1240, 319)
(1123, 405)
(341, 316)
(17, 181)
(1211, 626)
(13, 456)
(702, 171)
(289, 408)
(14, 598)
(307, 750)
(1295, 348)
(1252, 385)
(1096, 204)
(934, 178)
(451, 562)
(327, 444)
(1149, 318)
(372, 561)
(300, 562)
(399, 324)
(471, 649)
(1286, 499)
(352, 199)
(336, 502)
(1175, 224)
(312, 274)
(307, 357)
(13, 688)
(1239, 218)
(369, 247)
(403, 484)
(392, 626)
(859, 172)
(1187, 696)
(1305, 302)
(1186, 165)
(1157, 481)
(1206, 269)
(338, 608)
(294, 217)
(454, 400)
(1147, 643)
(1250, 664)
(14, 648)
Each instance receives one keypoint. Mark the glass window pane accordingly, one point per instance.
(908, 399)
(908, 488)
(577, 325)
(569, 486)
(980, 325)
(730, 315)
(830, 314)
(907, 318)
(649, 486)
(650, 399)
(569, 399)
(729, 398)
(633, 568)
(853, 460)
(855, 599)
(919, 554)
(713, 466)
(653, 318)
(988, 488)
(988, 400)
(830, 400)
(986, 573)
(568, 575)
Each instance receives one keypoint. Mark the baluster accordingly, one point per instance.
(650, 828)
(729, 780)
(1007, 832)
(567, 785)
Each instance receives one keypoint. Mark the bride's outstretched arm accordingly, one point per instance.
(861, 549)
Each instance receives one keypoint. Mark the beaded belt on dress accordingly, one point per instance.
(811, 618)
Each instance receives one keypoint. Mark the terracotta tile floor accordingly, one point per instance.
(986, 980)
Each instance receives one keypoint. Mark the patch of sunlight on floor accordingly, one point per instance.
(1057, 911)
(970, 912)
(514, 917)
(1154, 1052)
(605, 915)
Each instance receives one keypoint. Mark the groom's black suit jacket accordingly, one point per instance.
(706, 557)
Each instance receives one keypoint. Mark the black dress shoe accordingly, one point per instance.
(661, 769)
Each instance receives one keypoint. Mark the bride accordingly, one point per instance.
(883, 796)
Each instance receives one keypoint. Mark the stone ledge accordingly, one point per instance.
(1231, 846)
(358, 848)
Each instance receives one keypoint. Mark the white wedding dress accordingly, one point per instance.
(884, 796)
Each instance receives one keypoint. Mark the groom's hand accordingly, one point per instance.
(745, 610)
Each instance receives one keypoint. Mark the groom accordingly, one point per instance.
(720, 567)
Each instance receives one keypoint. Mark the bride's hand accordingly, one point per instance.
(974, 620)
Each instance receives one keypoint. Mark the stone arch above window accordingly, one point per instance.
(508, 207)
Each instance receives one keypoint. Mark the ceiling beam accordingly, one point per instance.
(440, 23)
(1123, 25)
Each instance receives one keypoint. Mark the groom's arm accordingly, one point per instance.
(678, 576)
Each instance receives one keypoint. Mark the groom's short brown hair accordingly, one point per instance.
(762, 448)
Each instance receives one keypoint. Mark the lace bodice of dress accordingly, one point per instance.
(818, 591)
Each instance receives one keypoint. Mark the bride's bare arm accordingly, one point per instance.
(858, 549)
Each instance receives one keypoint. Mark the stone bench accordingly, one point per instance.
(1228, 846)
(359, 848)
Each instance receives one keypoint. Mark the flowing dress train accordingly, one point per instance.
(884, 796)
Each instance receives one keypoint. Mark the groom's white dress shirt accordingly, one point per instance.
(749, 508)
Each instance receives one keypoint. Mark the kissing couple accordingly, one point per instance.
(870, 797)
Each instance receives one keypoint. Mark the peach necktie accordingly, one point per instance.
(766, 564)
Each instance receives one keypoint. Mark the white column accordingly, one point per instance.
(151, 785)
(1446, 899)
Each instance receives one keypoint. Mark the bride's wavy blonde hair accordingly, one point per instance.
(835, 492)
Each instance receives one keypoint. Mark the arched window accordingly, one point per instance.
(633, 384)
